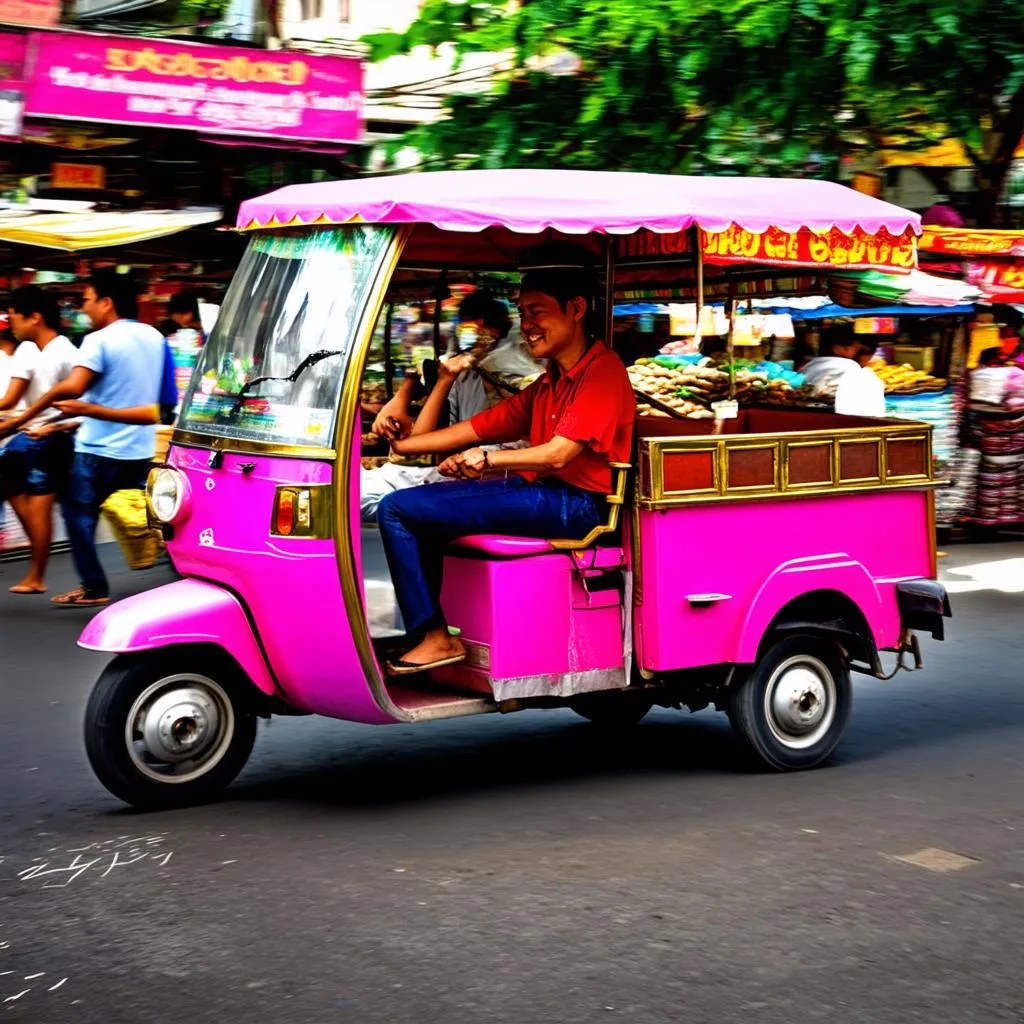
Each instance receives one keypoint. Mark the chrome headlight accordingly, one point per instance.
(165, 490)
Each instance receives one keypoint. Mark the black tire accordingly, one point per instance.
(175, 693)
(612, 709)
(801, 730)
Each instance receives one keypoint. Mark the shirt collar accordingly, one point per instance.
(588, 357)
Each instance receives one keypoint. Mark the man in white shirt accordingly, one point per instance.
(844, 375)
(34, 464)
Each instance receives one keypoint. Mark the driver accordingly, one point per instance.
(577, 418)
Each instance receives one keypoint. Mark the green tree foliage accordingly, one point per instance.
(727, 86)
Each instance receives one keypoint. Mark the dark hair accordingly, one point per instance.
(868, 344)
(990, 356)
(184, 302)
(8, 335)
(836, 335)
(483, 306)
(563, 270)
(120, 289)
(30, 299)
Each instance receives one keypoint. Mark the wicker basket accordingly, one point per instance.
(141, 544)
(842, 291)
(163, 443)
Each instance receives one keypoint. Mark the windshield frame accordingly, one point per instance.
(193, 436)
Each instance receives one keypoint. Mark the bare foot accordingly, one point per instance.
(27, 586)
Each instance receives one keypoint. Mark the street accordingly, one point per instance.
(528, 868)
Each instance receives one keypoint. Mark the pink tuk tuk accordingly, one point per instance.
(660, 605)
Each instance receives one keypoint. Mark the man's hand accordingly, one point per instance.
(74, 407)
(40, 430)
(467, 465)
(457, 365)
(6, 427)
(394, 427)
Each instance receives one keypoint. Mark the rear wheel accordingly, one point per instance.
(792, 710)
(612, 709)
(162, 730)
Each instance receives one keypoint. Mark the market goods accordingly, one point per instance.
(905, 380)
(688, 389)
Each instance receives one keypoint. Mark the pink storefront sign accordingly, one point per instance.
(215, 89)
(30, 13)
(12, 85)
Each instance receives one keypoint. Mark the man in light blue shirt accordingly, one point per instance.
(120, 367)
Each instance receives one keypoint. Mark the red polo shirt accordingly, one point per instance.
(592, 404)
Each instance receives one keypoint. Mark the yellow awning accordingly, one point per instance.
(74, 232)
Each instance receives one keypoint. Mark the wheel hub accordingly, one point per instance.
(800, 702)
(180, 724)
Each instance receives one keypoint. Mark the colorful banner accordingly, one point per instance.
(775, 247)
(998, 279)
(833, 249)
(30, 13)
(216, 89)
(968, 242)
(78, 176)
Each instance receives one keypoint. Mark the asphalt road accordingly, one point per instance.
(524, 868)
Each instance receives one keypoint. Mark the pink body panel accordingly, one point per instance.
(533, 615)
(185, 612)
(762, 554)
(289, 585)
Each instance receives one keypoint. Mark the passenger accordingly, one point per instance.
(120, 366)
(468, 383)
(577, 417)
(34, 464)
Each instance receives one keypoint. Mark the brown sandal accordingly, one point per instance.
(76, 599)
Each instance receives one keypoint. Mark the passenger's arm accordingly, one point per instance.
(447, 374)
(395, 412)
(451, 439)
(139, 415)
(543, 459)
(73, 386)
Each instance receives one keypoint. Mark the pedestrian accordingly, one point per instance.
(8, 346)
(119, 367)
(34, 464)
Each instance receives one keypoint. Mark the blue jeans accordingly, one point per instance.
(94, 478)
(418, 522)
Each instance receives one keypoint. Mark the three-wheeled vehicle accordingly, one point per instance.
(749, 562)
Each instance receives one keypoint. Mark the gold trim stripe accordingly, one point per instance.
(654, 449)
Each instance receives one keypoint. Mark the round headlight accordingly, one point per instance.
(166, 494)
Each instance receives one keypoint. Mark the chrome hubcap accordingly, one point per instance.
(800, 701)
(179, 728)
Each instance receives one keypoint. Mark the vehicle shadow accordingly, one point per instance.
(402, 764)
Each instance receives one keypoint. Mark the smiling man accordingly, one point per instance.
(577, 418)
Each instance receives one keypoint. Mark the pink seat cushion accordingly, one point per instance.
(500, 546)
(504, 547)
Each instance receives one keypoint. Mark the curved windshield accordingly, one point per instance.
(273, 367)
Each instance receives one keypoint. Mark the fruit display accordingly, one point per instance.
(905, 380)
(679, 385)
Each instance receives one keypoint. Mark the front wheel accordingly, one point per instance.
(163, 731)
(792, 710)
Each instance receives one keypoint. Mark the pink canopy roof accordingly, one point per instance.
(579, 202)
